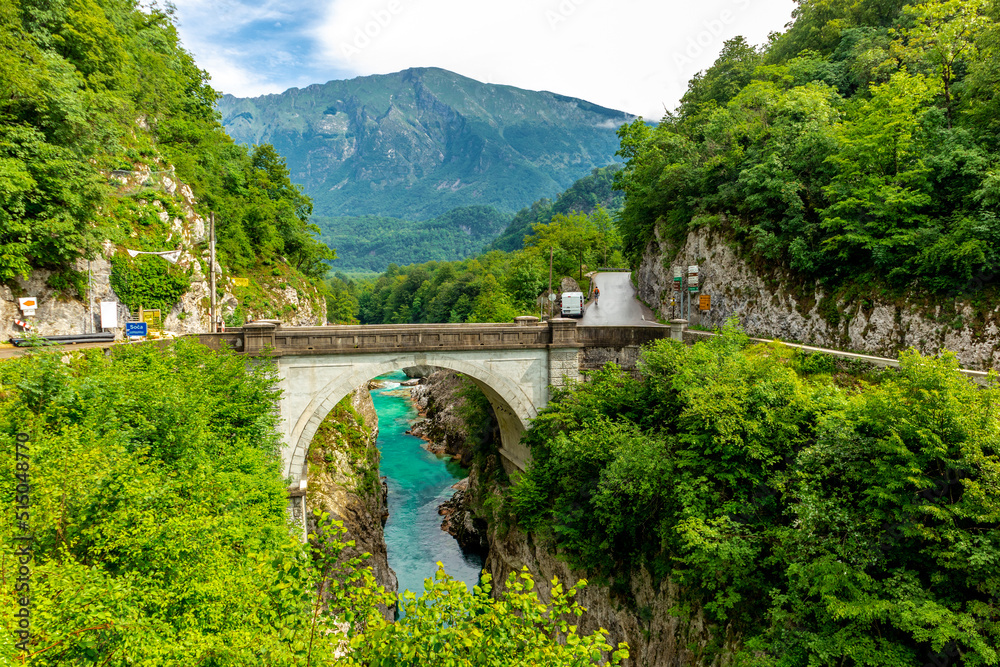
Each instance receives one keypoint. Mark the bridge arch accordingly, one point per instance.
(513, 406)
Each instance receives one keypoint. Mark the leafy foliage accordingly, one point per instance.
(147, 281)
(159, 534)
(854, 147)
(91, 86)
(449, 625)
(825, 525)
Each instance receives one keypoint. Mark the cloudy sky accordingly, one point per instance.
(631, 55)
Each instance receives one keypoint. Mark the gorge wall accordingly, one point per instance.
(343, 481)
(766, 306)
(637, 611)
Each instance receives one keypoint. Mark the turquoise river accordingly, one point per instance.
(418, 482)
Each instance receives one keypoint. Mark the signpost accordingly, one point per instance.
(705, 302)
(135, 329)
(678, 279)
(692, 285)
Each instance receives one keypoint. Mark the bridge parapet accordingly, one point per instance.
(256, 337)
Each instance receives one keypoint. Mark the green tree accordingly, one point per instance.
(881, 187)
(945, 34)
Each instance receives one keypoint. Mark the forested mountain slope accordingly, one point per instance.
(418, 143)
(373, 242)
(859, 146)
(586, 195)
(103, 119)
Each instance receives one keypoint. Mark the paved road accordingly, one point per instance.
(618, 304)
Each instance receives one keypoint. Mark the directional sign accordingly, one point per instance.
(28, 305)
(133, 329)
(241, 282)
(705, 302)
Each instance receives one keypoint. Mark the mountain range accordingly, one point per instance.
(419, 143)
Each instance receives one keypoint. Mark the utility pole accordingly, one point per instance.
(90, 301)
(211, 270)
(551, 251)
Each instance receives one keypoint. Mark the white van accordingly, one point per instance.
(572, 304)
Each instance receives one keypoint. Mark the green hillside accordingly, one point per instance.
(586, 195)
(372, 243)
(94, 92)
(858, 147)
(418, 143)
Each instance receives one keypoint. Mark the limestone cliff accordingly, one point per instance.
(441, 400)
(179, 227)
(637, 612)
(343, 481)
(767, 306)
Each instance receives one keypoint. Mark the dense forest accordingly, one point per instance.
(822, 515)
(94, 86)
(370, 243)
(859, 145)
(496, 286)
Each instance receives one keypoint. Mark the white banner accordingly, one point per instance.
(109, 314)
(170, 255)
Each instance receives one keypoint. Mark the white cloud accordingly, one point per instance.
(633, 55)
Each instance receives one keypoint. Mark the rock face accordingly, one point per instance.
(419, 371)
(56, 314)
(343, 481)
(461, 520)
(59, 314)
(766, 309)
(440, 401)
(637, 613)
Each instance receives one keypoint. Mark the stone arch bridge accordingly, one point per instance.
(514, 364)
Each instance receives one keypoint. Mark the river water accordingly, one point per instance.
(418, 482)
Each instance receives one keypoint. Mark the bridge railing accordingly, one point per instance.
(328, 340)
(528, 332)
(256, 337)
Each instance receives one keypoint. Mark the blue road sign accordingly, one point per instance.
(135, 329)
